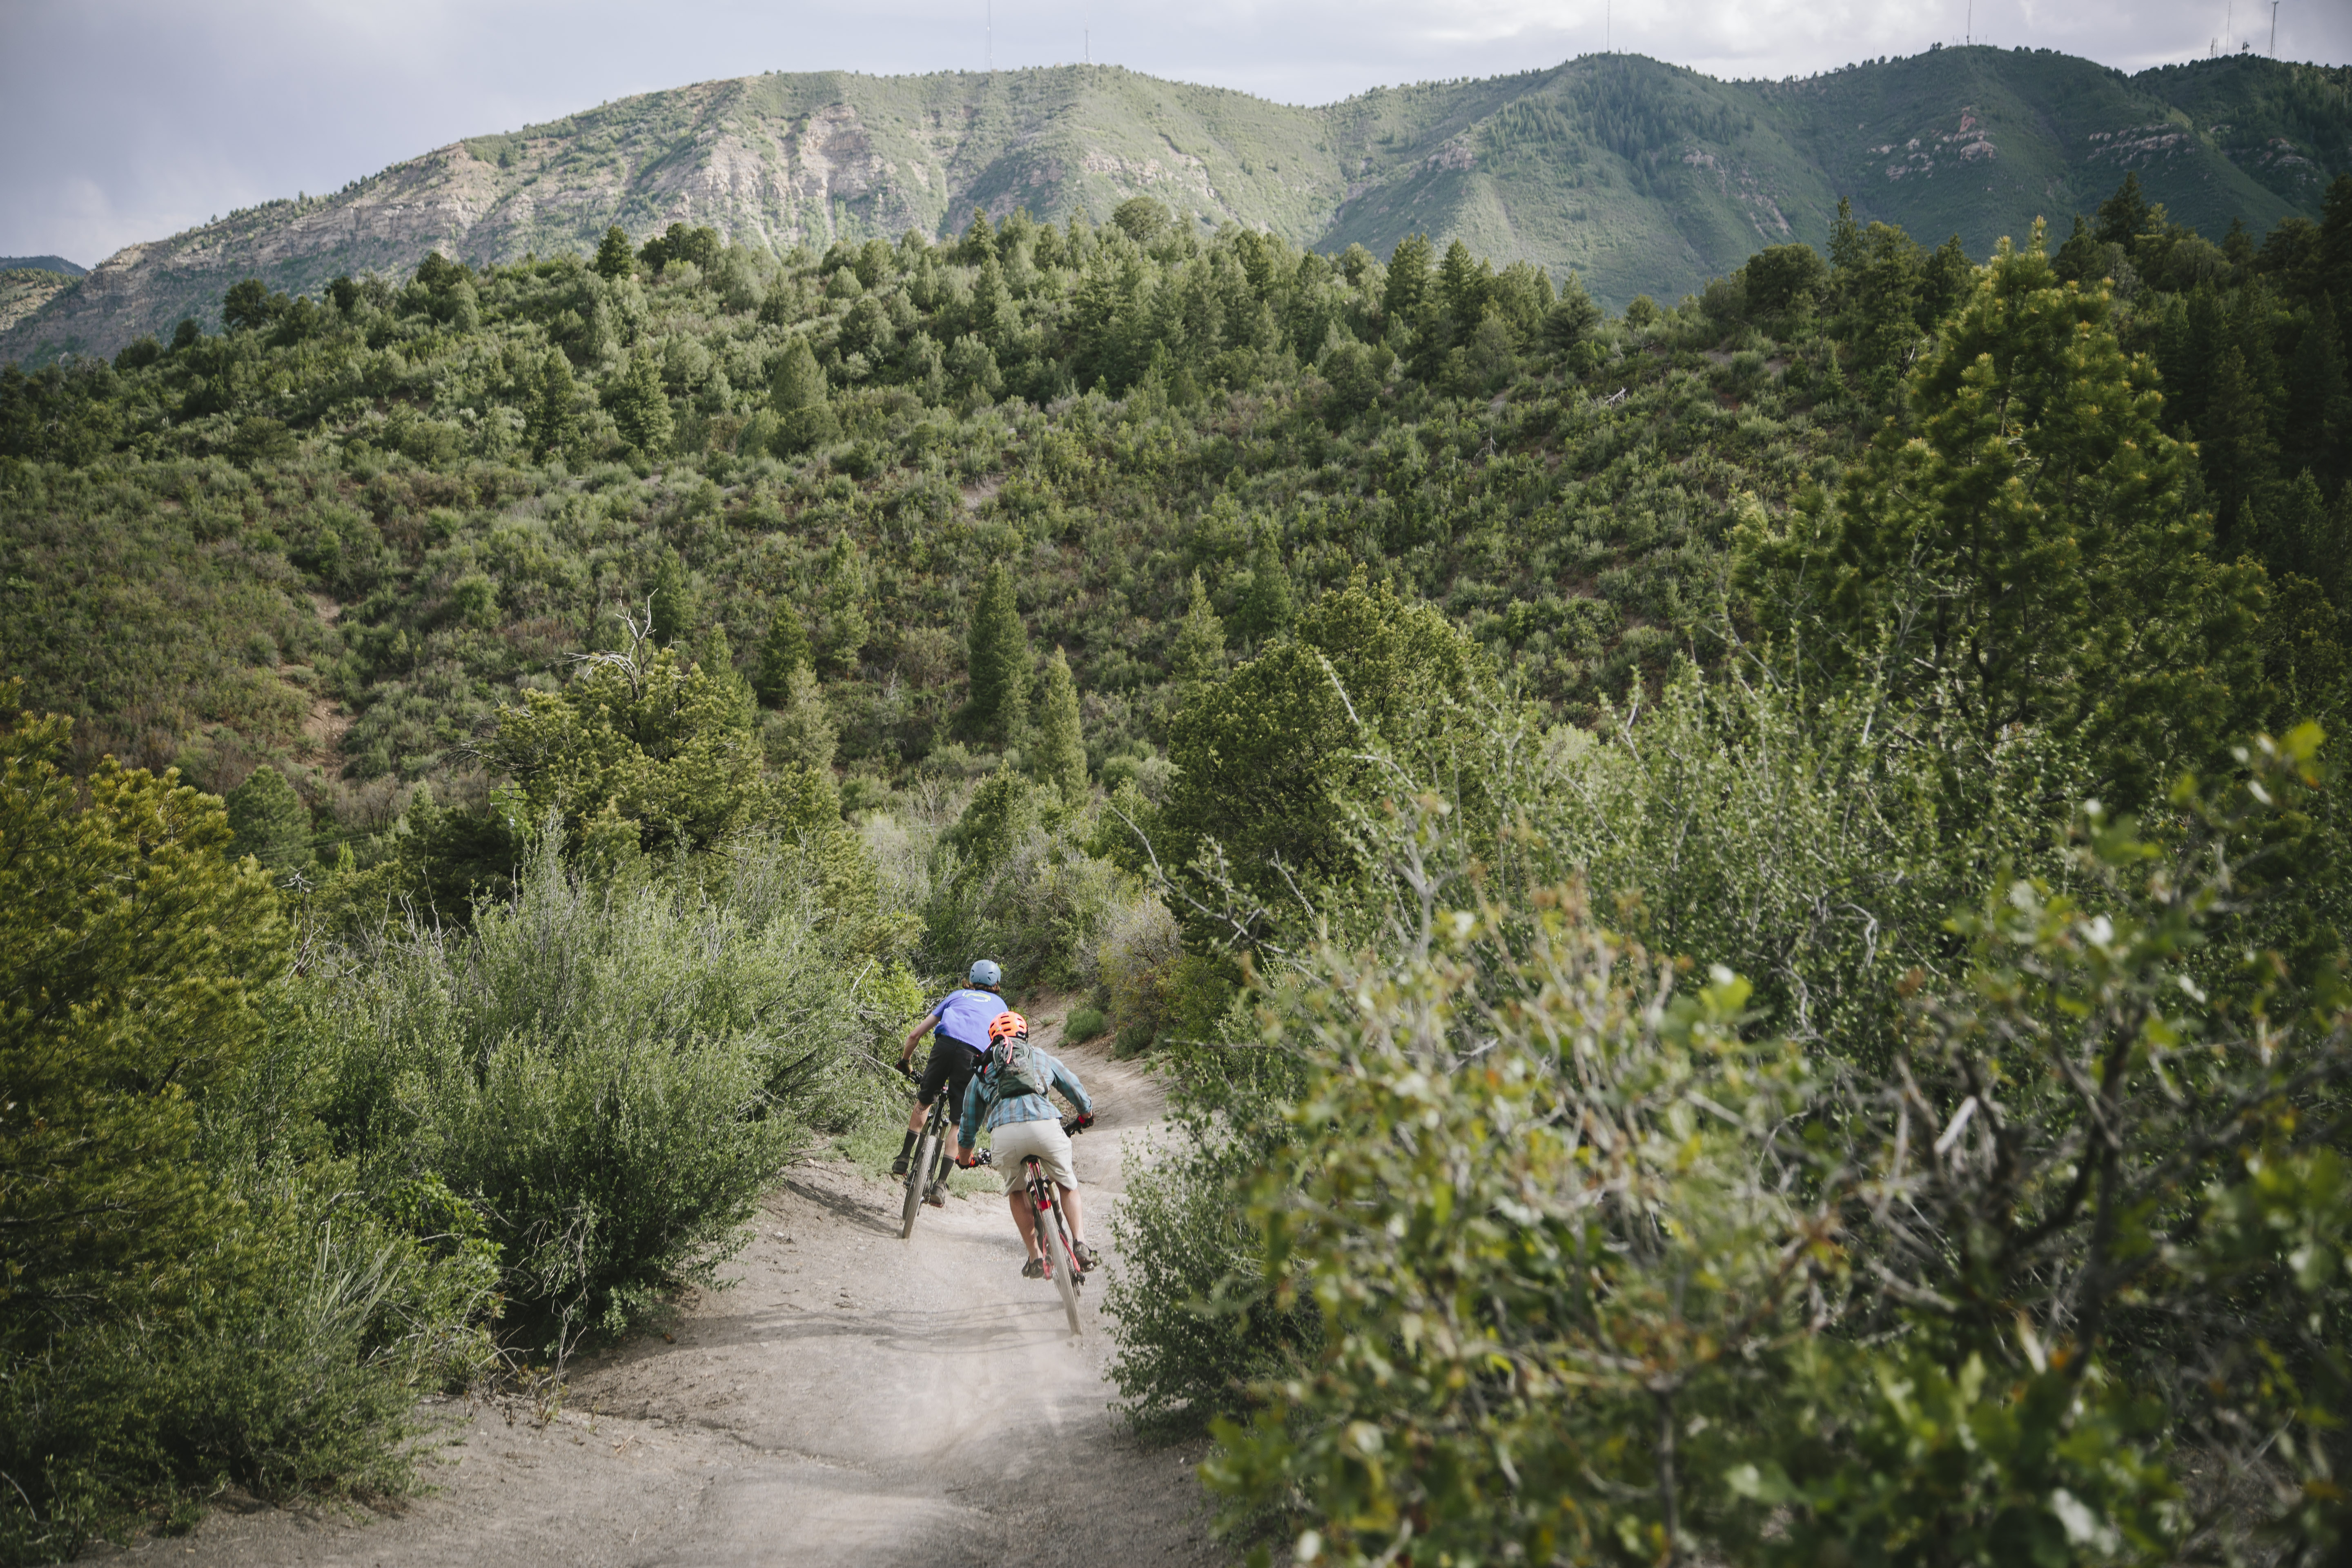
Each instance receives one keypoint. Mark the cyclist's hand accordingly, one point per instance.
(967, 1158)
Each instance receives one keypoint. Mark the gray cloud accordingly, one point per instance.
(130, 119)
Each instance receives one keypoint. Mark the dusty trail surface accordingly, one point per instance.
(854, 1399)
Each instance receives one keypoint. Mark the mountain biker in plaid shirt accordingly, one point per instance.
(1021, 1124)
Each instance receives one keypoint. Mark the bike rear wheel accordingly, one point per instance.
(1053, 1247)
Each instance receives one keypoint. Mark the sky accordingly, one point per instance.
(130, 119)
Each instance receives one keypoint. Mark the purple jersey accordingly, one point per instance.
(964, 1017)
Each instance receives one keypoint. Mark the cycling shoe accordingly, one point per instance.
(1088, 1258)
(936, 1194)
(1032, 1270)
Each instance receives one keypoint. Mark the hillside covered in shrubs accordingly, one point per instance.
(1747, 896)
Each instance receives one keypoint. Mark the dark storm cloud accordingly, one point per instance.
(129, 120)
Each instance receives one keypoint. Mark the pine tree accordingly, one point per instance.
(2318, 409)
(801, 399)
(2234, 442)
(1198, 657)
(1060, 756)
(999, 662)
(1266, 607)
(801, 732)
(640, 406)
(269, 822)
(784, 650)
(674, 606)
(2123, 217)
(2021, 549)
(554, 420)
(613, 257)
(845, 625)
(1460, 288)
(1408, 280)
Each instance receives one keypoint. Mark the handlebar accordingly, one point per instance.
(1078, 1123)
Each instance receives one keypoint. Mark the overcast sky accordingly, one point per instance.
(127, 120)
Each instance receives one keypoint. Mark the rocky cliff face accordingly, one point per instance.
(1642, 177)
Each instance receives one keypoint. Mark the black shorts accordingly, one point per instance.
(950, 1067)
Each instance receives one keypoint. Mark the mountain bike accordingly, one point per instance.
(930, 1151)
(1054, 1248)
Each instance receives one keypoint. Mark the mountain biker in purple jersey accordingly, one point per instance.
(962, 1018)
(1021, 1123)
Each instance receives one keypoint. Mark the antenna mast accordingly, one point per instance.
(2275, 28)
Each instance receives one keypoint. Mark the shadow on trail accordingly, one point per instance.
(855, 1211)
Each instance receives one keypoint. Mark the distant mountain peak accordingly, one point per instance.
(1642, 177)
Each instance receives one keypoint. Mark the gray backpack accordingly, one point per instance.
(1013, 1069)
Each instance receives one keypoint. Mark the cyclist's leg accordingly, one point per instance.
(1070, 1206)
(1022, 1218)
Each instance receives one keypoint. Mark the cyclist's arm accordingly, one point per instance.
(1072, 1089)
(930, 1021)
(968, 1122)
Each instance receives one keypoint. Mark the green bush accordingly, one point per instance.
(182, 1304)
(1083, 1024)
(610, 1074)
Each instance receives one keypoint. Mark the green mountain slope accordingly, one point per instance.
(1643, 178)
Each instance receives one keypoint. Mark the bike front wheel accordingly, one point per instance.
(1054, 1246)
(918, 1175)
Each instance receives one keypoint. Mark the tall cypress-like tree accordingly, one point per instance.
(1060, 756)
(614, 258)
(269, 822)
(640, 406)
(2234, 440)
(554, 421)
(846, 628)
(2318, 410)
(1408, 280)
(784, 649)
(674, 606)
(1199, 655)
(799, 394)
(999, 662)
(1267, 607)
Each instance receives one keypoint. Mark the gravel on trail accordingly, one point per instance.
(852, 1399)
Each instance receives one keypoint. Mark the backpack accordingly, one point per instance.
(1013, 1069)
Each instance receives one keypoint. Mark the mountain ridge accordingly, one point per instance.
(1641, 177)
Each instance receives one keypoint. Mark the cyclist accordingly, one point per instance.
(1022, 1122)
(961, 1019)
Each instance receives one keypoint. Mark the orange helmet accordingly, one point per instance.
(1008, 1027)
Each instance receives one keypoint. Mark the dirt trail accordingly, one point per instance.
(854, 1399)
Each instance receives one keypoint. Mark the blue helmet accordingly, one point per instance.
(986, 973)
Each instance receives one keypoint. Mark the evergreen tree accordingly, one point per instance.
(1408, 281)
(1267, 606)
(2318, 404)
(675, 605)
(2124, 217)
(784, 650)
(554, 422)
(1460, 288)
(979, 242)
(798, 392)
(2299, 537)
(1199, 655)
(2079, 259)
(2234, 442)
(2022, 548)
(845, 625)
(998, 661)
(269, 821)
(801, 732)
(613, 257)
(640, 406)
(1573, 316)
(1060, 756)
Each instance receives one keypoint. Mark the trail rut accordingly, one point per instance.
(853, 1398)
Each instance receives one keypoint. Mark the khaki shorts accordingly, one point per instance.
(1016, 1141)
